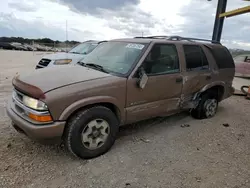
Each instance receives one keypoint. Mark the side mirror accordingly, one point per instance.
(143, 78)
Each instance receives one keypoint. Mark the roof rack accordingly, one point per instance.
(99, 42)
(192, 39)
(158, 36)
(179, 38)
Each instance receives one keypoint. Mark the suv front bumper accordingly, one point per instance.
(50, 131)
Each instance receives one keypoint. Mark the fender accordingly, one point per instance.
(208, 86)
(89, 101)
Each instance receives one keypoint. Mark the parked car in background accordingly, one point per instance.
(72, 57)
(40, 47)
(121, 82)
(242, 65)
(29, 47)
(6, 46)
(18, 46)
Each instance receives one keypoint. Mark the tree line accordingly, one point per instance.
(40, 40)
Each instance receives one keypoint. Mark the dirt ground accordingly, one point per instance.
(213, 153)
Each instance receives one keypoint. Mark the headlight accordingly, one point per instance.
(34, 103)
(62, 61)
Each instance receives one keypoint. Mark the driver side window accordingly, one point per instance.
(162, 59)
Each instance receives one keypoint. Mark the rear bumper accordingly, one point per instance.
(232, 91)
(229, 92)
(53, 131)
(242, 75)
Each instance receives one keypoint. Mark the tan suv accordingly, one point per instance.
(121, 82)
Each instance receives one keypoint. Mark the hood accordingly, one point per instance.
(64, 55)
(56, 77)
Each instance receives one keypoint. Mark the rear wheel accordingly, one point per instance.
(91, 132)
(207, 106)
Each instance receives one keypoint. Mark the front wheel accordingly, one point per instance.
(91, 132)
(207, 106)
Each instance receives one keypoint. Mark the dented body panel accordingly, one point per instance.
(160, 97)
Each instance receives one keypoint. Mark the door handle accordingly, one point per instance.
(178, 80)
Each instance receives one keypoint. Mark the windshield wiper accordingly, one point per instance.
(94, 66)
(98, 67)
(74, 52)
(81, 63)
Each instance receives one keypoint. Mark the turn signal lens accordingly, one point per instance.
(44, 118)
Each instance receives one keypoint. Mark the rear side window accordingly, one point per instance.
(195, 58)
(222, 57)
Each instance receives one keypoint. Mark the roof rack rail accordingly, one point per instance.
(99, 42)
(154, 37)
(179, 38)
(192, 39)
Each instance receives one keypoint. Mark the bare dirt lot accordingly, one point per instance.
(155, 153)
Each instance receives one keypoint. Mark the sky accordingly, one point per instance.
(108, 19)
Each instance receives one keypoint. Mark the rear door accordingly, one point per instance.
(162, 92)
(197, 72)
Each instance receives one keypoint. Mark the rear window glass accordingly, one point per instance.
(222, 57)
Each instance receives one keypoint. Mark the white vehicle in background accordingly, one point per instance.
(30, 47)
(18, 46)
(72, 57)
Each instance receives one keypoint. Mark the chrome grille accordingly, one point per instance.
(44, 62)
(19, 96)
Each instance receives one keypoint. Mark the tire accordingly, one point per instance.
(207, 106)
(80, 128)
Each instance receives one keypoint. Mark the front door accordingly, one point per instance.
(162, 92)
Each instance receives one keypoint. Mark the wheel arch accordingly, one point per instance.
(217, 87)
(108, 102)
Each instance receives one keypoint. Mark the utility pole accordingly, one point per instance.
(66, 34)
(218, 23)
(221, 14)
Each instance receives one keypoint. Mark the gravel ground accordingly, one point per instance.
(176, 152)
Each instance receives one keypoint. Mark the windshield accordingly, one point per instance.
(117, 57)
(83, 48)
